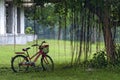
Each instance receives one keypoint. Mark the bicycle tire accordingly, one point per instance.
(47, 63)
(16, 67)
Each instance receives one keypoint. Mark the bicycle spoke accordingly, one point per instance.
(47, 63)
(17, 63)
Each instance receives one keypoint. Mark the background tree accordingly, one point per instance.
(81, 14)
(105, 10)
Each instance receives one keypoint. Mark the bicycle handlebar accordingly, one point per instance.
(35, 45)
(42, 42)
(39, 45)
(25, 49)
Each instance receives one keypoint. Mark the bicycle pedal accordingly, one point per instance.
(38, 68)
(30, 63)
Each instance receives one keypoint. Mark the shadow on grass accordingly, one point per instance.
(61, 72)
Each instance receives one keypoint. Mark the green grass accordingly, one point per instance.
(61, 54)
(60, 51)
(57, 51)
(61, 74)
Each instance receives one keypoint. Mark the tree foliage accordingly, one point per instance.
(81, 14)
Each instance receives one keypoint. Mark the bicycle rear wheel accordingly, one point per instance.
(47, 63)
(18, 63)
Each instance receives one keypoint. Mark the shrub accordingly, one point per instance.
(29, 30)
(117, 55)
(99, 60)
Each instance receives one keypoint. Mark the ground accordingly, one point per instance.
(61, 74)
(61, 56)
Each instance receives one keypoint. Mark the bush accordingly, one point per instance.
(117, 55)
(99, 60)
(29, 30)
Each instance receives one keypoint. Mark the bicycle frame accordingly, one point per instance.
(35, 56)
(25, 60)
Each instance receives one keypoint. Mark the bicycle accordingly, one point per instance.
(22, 60)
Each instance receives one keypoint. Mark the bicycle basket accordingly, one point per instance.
(45, 48)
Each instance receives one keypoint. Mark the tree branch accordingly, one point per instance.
(94, 9)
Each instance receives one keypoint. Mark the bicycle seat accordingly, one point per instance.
(25, 49)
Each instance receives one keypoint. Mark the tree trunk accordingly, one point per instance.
(104, 18)
(109, 43)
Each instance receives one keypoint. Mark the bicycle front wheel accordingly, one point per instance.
(18, 63)
(47, 63)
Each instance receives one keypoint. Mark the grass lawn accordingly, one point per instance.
(61, 74)
(60, 52)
